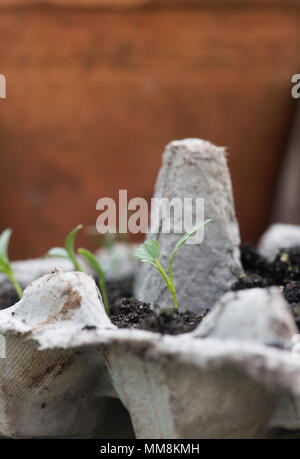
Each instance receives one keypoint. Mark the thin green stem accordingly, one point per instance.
(173, 292)
(104, 294)
(162, 272)
(93, 262)
(171, 267)
(75, 262)
(169, 282)
(15, 283)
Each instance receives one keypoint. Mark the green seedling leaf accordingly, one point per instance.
(148, 252)
(67, 252)
(69, 244)
(93, 262)
(5, 266)
(182, 240)
(4, 242)
(190, 233)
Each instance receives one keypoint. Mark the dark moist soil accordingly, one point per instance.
(9, 298)
(127, 312)
(283, 271)
(119, 289)
(132, 313)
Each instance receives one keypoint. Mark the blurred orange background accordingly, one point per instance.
(95, 89)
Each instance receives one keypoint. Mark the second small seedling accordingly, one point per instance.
(148, 253)
(5, 266)
(68, 253)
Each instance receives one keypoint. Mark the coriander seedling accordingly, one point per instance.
(5, 266)
(67, 252)
(149, 251)
(93, 262)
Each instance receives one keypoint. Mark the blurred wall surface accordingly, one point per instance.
(95, 89)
